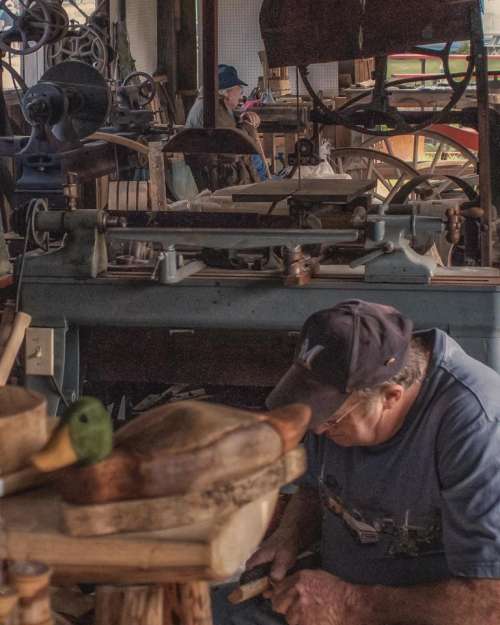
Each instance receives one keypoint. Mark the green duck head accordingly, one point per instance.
(84, 435)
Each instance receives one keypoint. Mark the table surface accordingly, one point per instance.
(311, 189)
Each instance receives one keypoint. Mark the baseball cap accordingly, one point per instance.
(351, 346)
(228, 77)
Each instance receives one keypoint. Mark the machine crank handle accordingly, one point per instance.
(386, 248)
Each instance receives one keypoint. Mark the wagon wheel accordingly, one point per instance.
(390, 172)
(430, 152)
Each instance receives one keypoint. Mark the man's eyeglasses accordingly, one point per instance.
(337, 418)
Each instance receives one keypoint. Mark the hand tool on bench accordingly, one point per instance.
(257, 580)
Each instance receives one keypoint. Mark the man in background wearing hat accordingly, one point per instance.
(212, 171)
(403, 483)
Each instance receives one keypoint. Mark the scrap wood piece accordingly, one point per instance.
(12, 346)
(169, 512)
(6, 323)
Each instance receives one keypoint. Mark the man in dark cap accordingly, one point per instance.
(212, 171)
(403, 483)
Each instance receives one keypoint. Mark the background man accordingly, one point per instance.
(213, 171)
(403, 485)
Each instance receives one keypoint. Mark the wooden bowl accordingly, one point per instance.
(23, 427)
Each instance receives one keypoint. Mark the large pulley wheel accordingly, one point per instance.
(381, 119)
(39, 22)
(437, 186)
(84, 81)
(83, 43)
(433, 187)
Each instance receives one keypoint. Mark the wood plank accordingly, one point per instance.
(143, 200)
(158, 187)
(69, 575)
(315, 190)
(217, 549)
(113, 195)
(132, 195)
(122, 195)
(167, 512)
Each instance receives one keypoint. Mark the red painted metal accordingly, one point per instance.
(301, 32)
(467, 137)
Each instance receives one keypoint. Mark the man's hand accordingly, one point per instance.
(281, 549)
(251, 118)
(313, 598)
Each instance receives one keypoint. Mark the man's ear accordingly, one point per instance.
(391, 395)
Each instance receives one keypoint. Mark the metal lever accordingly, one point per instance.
(387, 248)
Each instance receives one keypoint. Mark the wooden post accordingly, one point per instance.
(269, 145)
(157, 177)
(167, 43)
(31, 581)
(133, 605)
(195, 603)
(210, 43)
(170, 604)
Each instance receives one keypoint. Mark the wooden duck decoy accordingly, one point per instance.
(169, 450)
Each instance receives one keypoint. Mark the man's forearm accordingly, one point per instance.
(454, 602)
(302, 517)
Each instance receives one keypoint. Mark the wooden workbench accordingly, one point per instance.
(188, 557)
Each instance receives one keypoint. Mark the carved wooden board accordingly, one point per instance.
(185, 447)
(167, 512)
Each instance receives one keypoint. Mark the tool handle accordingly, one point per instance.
(256, 581)
(249, 591)
(21, 323)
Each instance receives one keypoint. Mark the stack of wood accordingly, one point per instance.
(363, 70)
(276, 79)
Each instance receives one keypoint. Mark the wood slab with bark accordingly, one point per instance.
(208, 550)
